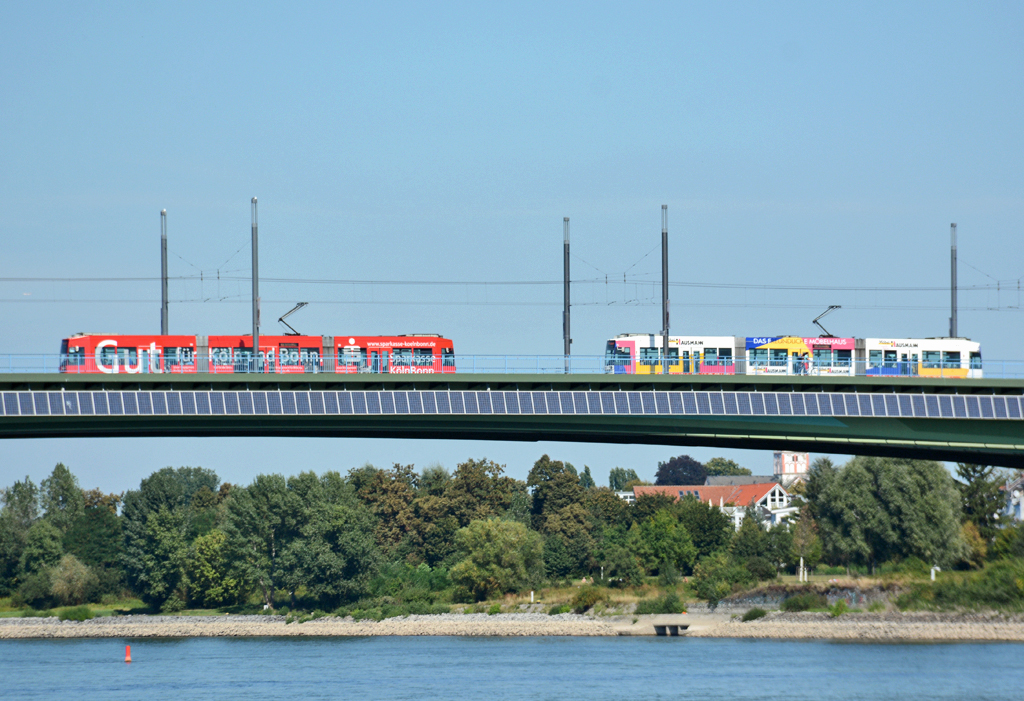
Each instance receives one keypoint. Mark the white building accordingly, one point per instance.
(1014, 493)
(789, 467)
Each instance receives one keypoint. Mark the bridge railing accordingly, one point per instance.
(516, 364)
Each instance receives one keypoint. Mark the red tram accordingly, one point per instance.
(115, 354)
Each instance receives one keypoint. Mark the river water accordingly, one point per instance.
(589, 669)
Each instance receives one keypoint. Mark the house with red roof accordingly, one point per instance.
(770, 497)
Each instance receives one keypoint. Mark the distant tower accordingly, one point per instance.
(790, 467)
(164, 321)
(952, 282)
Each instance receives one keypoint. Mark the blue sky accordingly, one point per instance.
(805, 144)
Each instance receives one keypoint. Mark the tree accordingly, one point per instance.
(751, 540)
(72, 580)
(389, 495)
(723, 467)
(709, 527)
(714, 577)
(62, 498)
(619, 477)
(479, 490)
(805, 543)
(434, 480)
(570, 527)
(209, 572)
(165, 548)
(879, 509)
(554, 486)
(20, 510)
(336, 555)
(261, 523)
(501, 557)
(661, 540)
(820, 476)
(42, 548)
(621, 567)
(981, 497)
(154, 553)
(680, 470)
(976, 549)
(96, 497)
(95, 537)
(586, 479)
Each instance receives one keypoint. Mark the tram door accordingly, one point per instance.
(379, 361)
(690, 361)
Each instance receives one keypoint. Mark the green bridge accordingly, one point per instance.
(958, 420)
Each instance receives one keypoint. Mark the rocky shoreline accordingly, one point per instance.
(892, 626)
(930, 627)
(512, 624)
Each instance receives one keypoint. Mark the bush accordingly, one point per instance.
(753, 614)
(30, 613)
(830, 571)
(668, 603)
(804, 602)
(37, 590)
(72, 581)
(77, 613)
(761, 567)
(560, 608)
(717, 576)
(912, 565)
(999, 585)
(586, 598)
(494, 609)
(838, 608)
(172, 605)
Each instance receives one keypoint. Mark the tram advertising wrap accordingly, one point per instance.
(795, 355)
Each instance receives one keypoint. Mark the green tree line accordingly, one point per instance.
(184, 539)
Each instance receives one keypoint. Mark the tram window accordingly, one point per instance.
(613, 355)
(401, 357)
(931, 359)
(128, 356)
(823, 357)
(759, 356)
(448, 357)
(108, 355)
(779, 356)
(352, 355)
(711, 356)
(422, 357)
(220, 356)
(875, 358)
(650, 356)
(951, 359)
(76, 357)
(725, 356)
(178, 356)
(289, 355)
(844, 358)
(975, 360)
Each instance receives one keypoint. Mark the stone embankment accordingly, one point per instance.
(814, 626)
(512, 624)
(870, 627)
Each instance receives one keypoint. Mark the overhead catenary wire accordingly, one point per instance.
(519, 283)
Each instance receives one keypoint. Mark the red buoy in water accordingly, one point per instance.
(127, 653)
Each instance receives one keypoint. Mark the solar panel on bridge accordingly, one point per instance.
(512, 403)
(189, 403)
